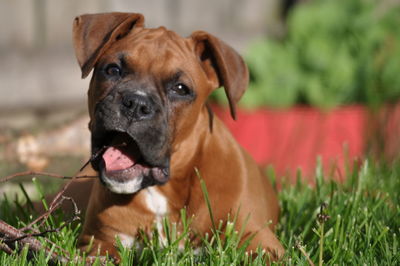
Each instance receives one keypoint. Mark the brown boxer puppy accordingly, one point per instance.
(151, 129)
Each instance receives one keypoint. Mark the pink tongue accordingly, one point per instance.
(116, 160)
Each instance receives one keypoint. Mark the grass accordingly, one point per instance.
(356, 223)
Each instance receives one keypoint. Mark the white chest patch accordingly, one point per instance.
(158, 204)
(126, 240)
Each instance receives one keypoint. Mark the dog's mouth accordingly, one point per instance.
(123, 167)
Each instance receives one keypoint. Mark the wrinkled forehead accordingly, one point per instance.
(152, 50)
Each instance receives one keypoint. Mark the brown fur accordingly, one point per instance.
(233, 179)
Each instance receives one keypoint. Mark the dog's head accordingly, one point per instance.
(147, 90)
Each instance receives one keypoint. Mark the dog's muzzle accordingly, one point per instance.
(126, 139)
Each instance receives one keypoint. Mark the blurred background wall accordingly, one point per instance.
(38, 71)
(43, 116)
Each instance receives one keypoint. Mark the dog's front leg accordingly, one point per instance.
(93, 246)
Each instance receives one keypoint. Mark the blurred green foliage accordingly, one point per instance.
(336, 52)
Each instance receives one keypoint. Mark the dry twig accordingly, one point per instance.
(10, 235)
(12, 238)
(28, 173)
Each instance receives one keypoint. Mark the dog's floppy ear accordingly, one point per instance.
(222, 62)
(94, 33)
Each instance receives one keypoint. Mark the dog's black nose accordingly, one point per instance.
(138, 106)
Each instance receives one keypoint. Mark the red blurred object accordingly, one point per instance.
(292, 139)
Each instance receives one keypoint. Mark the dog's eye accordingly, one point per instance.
(113, 70)
(180, 89)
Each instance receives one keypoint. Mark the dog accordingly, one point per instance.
(151, 128)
